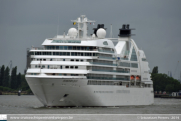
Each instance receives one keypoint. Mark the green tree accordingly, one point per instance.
(2, 75)
(169, 88)
(14, 78)
(24, 84)
(155, 70)
(6, 77)
(162, 82)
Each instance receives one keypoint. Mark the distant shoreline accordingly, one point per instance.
(15, 93)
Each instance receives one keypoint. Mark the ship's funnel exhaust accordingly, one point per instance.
(124, 35)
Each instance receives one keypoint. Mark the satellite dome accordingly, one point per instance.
(93, 36)
(72, 32)
(101, 33)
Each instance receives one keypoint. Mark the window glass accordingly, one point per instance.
(76, 67)
(69, 47)
(143, 59)
(74, 47)
(65, 47)
(61, 47)
(124, 64)
(66, 66)
(68, 53)
(133, 55)
(82, 48)
(64, 53)
(134, 65)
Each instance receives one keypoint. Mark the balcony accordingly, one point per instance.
(66, 41)
(107, 78)
(111, 71)
(97, 63)
(124, 58)
(107, 57)
(106, 51)
(37, 48)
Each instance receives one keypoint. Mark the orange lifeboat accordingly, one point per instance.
(132, 77)
(137, 77)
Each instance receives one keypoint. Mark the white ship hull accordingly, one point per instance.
(51, 91)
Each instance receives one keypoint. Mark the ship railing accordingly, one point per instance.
(111, 71)
(38, 48)
(103, 63)
(106, 51)
(107, 57)
(66, 41)
(124, 58)
(71, 49)
(107, 78)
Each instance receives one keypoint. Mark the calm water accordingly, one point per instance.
(12, 104)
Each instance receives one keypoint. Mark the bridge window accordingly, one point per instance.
(134, 65)
(133, 55)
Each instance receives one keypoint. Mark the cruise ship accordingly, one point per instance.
(74, 69)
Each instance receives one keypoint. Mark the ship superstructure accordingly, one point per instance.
(75, 69)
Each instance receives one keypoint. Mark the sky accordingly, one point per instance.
(24, 23)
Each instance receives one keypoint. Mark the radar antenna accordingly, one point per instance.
(82, 26)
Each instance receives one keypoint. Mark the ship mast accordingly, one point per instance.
(82, 26)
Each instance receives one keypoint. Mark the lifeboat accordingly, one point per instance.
(132, 77)
(137, 77)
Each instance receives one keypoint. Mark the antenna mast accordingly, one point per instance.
(82, 25)
(58, 25)
(111, 32)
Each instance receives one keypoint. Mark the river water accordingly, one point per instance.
(13, 104)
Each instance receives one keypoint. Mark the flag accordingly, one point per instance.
(74, 23)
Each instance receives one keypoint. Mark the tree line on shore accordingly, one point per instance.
(15, 82)
(163, 82)
(12, 82)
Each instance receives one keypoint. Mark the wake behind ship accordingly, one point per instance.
(78, 70)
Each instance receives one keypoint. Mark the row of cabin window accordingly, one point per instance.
(63, 60)
(65, 53)
(43, 66)
(134, 65)
(70, 48)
